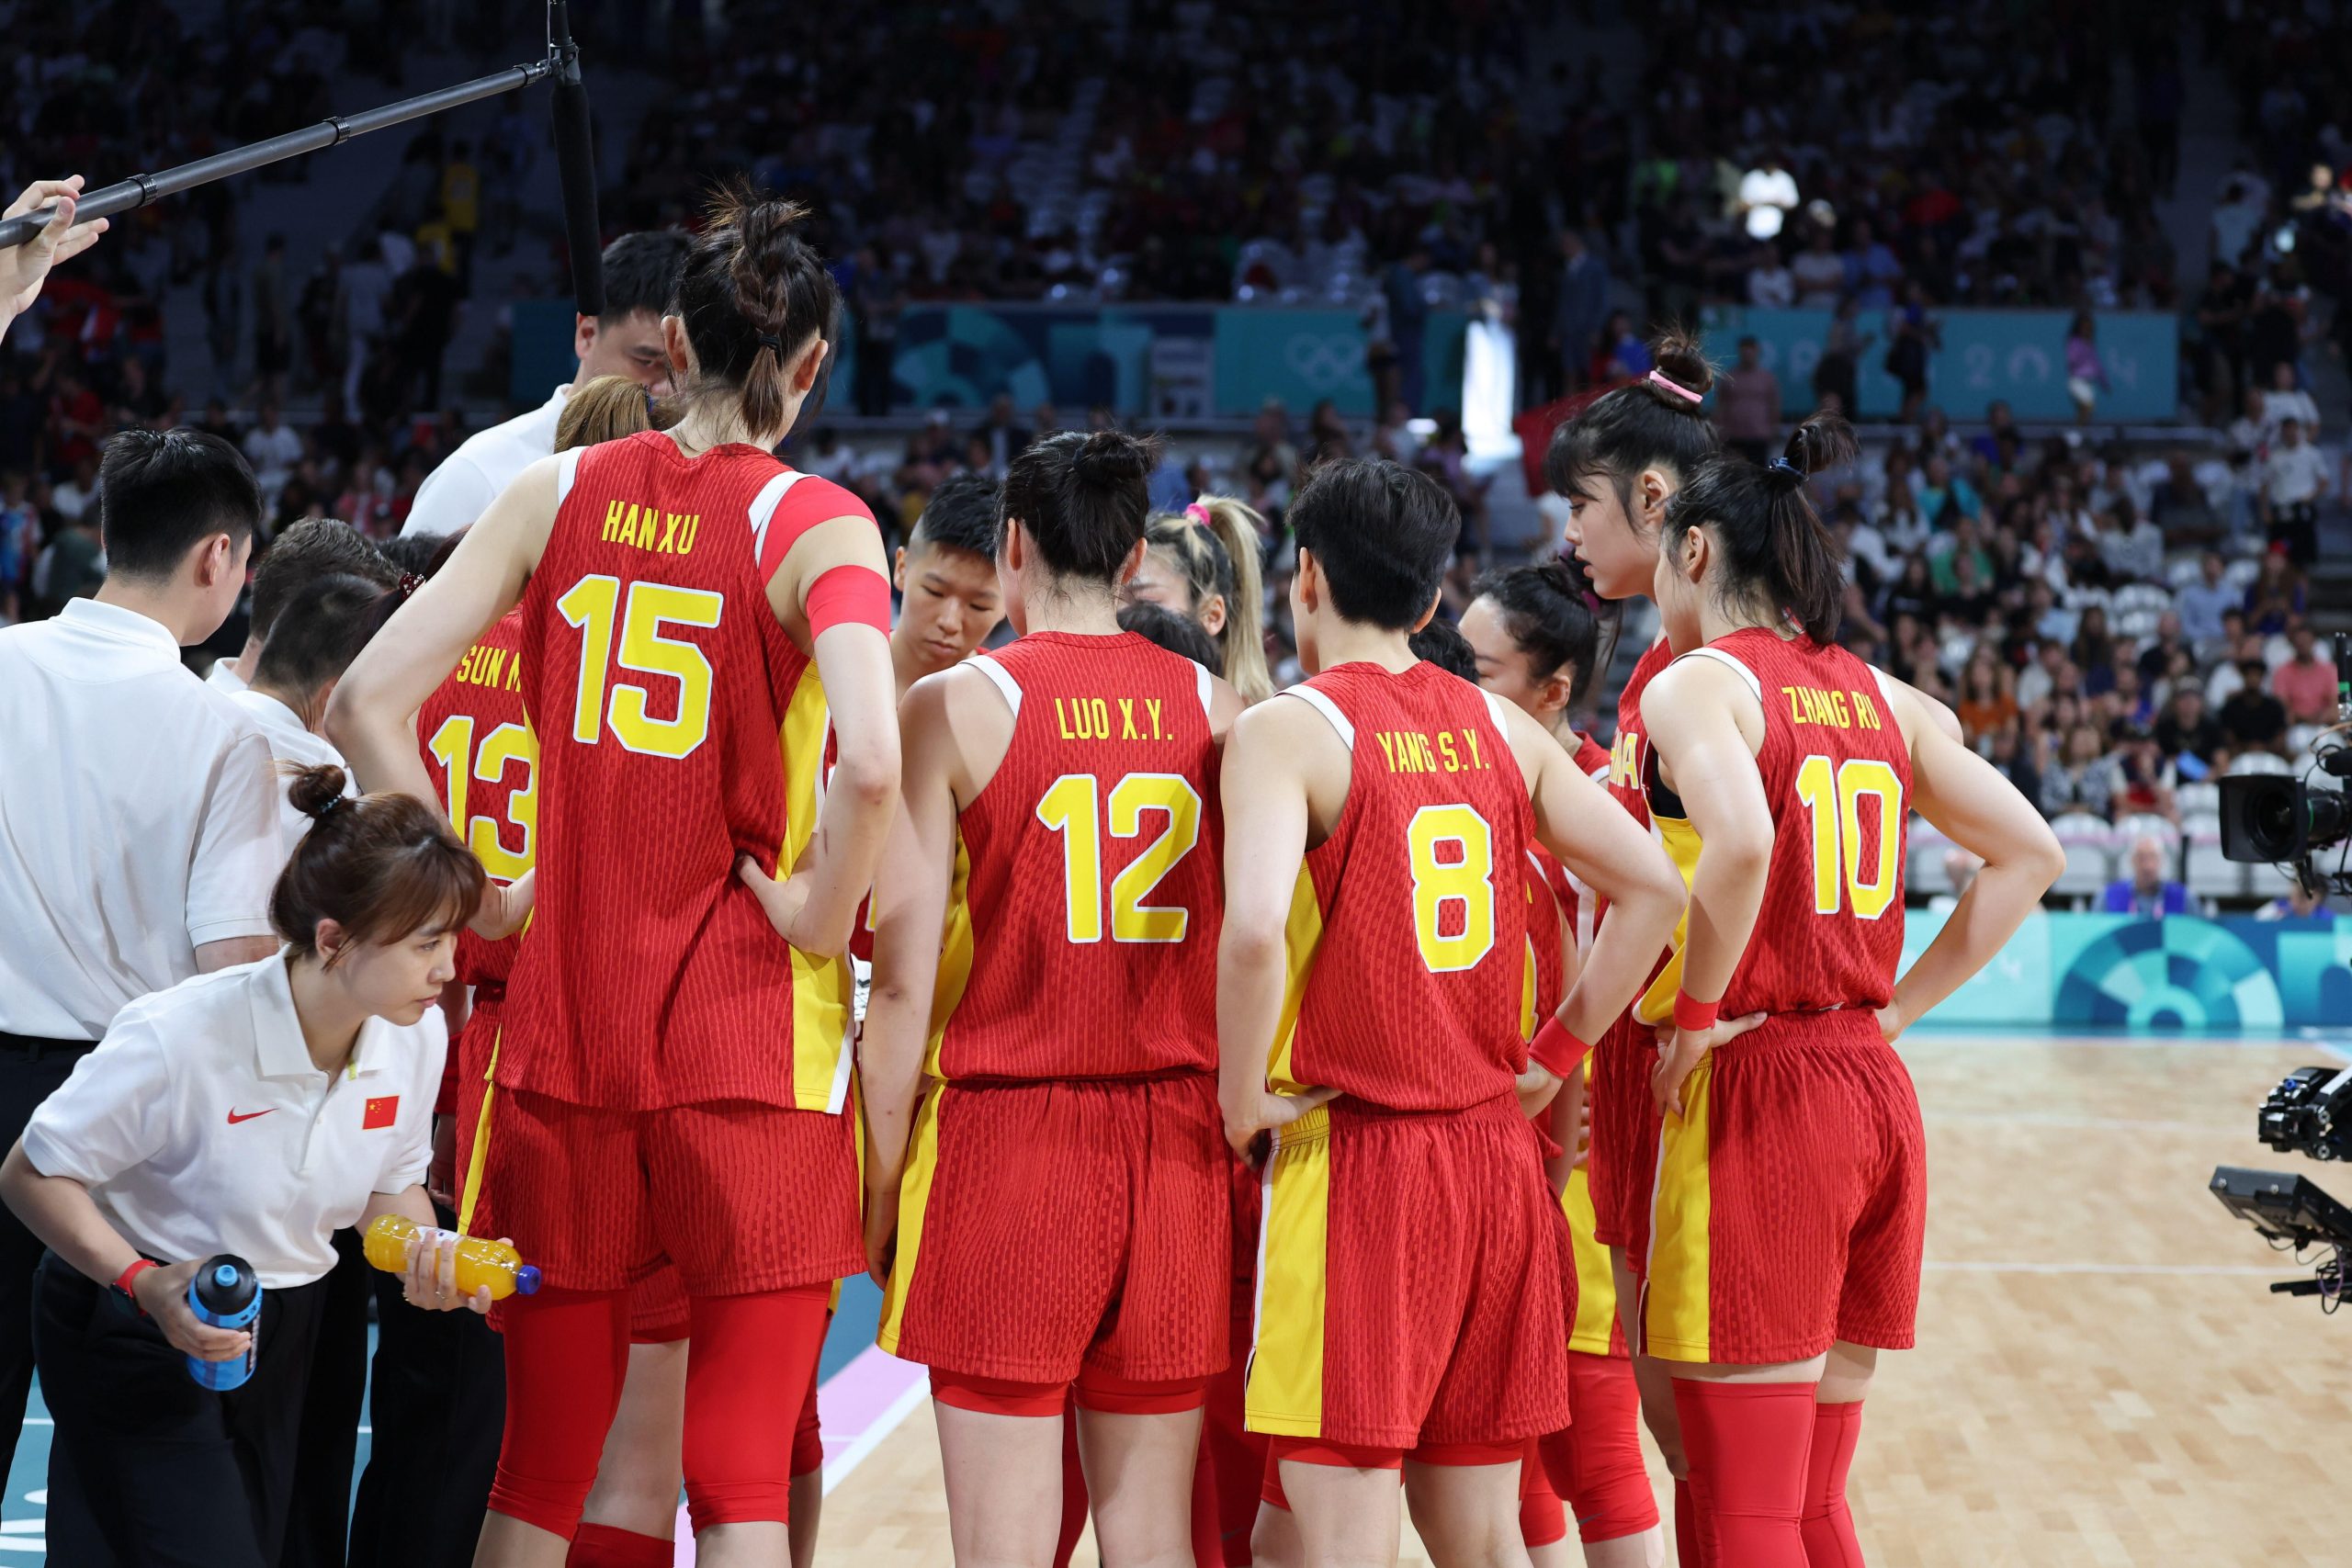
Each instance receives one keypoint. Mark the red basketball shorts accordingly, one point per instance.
(741, 1197)
(474, 1046)
(1792, 1199)
(1624, 1131)
(1410, 1281)
(1049, 1227)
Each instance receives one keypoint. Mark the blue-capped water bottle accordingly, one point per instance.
(225, 1294)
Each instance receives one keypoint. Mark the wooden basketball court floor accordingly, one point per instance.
(2102, 1377)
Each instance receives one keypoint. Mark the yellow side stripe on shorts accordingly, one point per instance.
(480, 1157)
(1675, 1301)
(1596, 1285)
(821, 987)
(1285, 1379)
(914, 1194)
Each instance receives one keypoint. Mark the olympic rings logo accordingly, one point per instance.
(1324, 362)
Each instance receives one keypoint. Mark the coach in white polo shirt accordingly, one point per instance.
(253, 1112)
(137, 816)
(640, 274)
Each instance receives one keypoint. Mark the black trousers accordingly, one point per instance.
(315, 1531)
(439, 1410)
(175, 1476)
(29, 1070)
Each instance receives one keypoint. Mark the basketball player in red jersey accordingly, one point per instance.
(669, 1077)
(1410, 1277)
(1061, 1218)
(1791, 1189)
(1537, 644)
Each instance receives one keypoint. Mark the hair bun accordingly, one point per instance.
(1112, 459)
(317, 790)
(1681, 360)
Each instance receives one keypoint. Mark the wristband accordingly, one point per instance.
(1555, 1050)
(849, 595)
(1694, 1017)
(122, 1283)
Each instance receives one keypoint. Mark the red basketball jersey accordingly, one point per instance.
(1629, 755)
(1838, 774)
(483, 760)
(1083, 943)
(678, 727)
(1407, 930)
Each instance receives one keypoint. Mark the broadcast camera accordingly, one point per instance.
(2309, 1114)
(2279, 819)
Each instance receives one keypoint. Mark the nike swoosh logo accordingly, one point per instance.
(234, 1116)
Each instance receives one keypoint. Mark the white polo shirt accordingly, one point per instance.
(200, 1124)
(485, 463)
(138, 819)
(224, 677)
(290, 743)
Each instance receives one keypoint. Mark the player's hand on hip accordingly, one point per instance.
(1272, 1111)
(881, 1233)
(1536, 1088)
(162, 1294)
(505, 907)
(1891, 1021)
(1680, 1051)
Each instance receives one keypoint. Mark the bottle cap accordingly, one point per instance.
(225, 1275)
(527, 1279)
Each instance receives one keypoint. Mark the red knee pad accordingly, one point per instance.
(807, 1437)
(1542, 1521)
(1111, 1395)
(567, 1355)
(997, 1396)
(1599, 1460)
(752, 1352)
(602, 1546)
(1748, 1444)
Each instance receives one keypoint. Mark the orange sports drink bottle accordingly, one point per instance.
(479, 1262)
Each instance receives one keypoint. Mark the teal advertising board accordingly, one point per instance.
(2015, 356)
(2233, 974)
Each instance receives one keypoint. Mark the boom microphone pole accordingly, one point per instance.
(574, 152)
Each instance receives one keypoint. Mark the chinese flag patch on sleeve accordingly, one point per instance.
(381, 1111)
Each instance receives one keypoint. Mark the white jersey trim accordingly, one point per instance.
(1495, 712)
(1326, 707)
(1754, 686)
(567, 465)
(1207, 688)
(1002, 678)
(763, 507)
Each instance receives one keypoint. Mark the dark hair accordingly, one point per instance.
(752, 294)
(418, 554)
(1775, 548)
(1382, 533)
(1442, 643)
(642, 273)
(161, 492)
(1083, 498)
(378, 865)
(307, 551)
(1638, 425)
(1544, 609)
(322, 630)
(1177, 634)
(960, 515)
(1215, 544)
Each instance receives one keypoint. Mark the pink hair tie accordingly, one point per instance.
(1679, 390)
(1200, 514)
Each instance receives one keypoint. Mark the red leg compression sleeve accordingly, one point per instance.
(1609, 1488)
(1828, 1528)
(1688, 1551)
(567, 1352)
(1073, 1485)
(752, 1354)
(602, 1546)
(1748, 1444)
(1542, 1521)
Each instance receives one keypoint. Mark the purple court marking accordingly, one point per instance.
(859, 1405)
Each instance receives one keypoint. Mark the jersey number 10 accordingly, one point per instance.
(1073, 807)
(1832, 795)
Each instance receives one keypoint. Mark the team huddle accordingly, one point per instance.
(1259, 1095)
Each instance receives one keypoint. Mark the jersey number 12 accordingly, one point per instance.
(1073, 807)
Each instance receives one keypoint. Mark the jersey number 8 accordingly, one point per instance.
(1467, 881)
(1833, 795)
(591, 604)
(1073, 807)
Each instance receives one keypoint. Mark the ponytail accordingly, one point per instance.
(1777, 556)
(1659, 420)
(754, 296)
(1214, 542)
(1083, 499)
